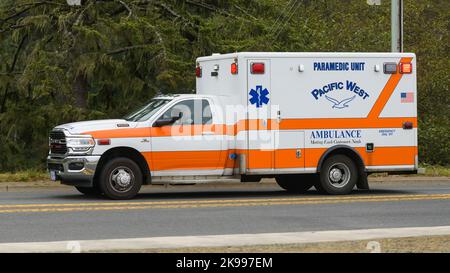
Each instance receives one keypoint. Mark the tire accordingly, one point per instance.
(120, 179)
(294, 183)
(94, 191)
(338, 175)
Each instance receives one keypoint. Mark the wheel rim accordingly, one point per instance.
(121, 179)
(339, 175)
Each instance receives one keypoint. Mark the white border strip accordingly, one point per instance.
(224, 240)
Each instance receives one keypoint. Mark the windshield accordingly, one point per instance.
(147, 111)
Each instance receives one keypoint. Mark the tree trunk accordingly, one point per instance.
(80, 89)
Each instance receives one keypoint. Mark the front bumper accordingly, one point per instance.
(65, 171)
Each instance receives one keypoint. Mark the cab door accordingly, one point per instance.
(189, 146)
(260, 137)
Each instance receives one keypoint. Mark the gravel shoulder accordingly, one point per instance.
(425, 244)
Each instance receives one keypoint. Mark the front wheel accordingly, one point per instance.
(338, 175)
(120, 178)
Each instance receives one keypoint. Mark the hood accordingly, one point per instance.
(96, 125)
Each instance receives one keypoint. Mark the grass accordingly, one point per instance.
(39, 175)
(431, 170)
(24, 176)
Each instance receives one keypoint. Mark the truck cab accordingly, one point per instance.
(176, 135)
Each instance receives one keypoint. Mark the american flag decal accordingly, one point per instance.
(407, 97)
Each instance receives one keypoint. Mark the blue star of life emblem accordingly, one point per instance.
(259, 96)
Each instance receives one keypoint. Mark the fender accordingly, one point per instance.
(362, 182)
(344, 147)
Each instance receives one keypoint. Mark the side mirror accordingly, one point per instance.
(167, 121)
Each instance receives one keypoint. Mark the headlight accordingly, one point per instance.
(80, 144)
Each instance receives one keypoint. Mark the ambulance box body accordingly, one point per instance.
(312, 103)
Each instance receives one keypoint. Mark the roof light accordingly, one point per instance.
(406, 68)
(234, 68)
(198, 71)
(257, 68)
(390, 68)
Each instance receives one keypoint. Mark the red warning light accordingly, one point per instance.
(234, 68)
(257, 68)
(198, 72)
(405, 68)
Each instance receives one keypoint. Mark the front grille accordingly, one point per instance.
(58, 142)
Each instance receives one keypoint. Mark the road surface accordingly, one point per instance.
(61, 213)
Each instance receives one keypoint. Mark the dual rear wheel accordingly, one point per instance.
(338, 175)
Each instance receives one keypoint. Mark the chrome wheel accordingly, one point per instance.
(121, 179)
(339, 175)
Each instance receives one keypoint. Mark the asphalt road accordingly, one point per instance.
(56, 214)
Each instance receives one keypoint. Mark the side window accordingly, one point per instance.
(195, 112)
(207, 117)
(186, 108)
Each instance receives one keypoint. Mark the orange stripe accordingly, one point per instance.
(381, 156)
(345, 123)
(386, 93)
(120, 133)
(232, 130)
(284, 158)
(287, 158)
(184, 160)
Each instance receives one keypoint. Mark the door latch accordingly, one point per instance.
(298, 153)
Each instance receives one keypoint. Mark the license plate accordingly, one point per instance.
(53, 175)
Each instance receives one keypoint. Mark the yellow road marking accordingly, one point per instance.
(212, 203)
(178, 202)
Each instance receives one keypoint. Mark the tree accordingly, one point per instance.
(68, 63)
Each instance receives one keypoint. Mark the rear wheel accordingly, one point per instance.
(295, 183)
(338, 175)
(120, 178)
(94, 191)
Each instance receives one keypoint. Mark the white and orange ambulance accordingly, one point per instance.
(307, 119)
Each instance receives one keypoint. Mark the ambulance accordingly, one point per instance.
(322, 120)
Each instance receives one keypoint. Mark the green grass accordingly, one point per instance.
(434, 170)
(24, 176)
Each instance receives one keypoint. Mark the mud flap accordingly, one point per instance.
(363, 182)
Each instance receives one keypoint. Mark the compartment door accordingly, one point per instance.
(290, 153)
(260, 137)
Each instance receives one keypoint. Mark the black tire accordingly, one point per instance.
(294, 183)
(120, 178)
(94, 191)
(338, 175)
